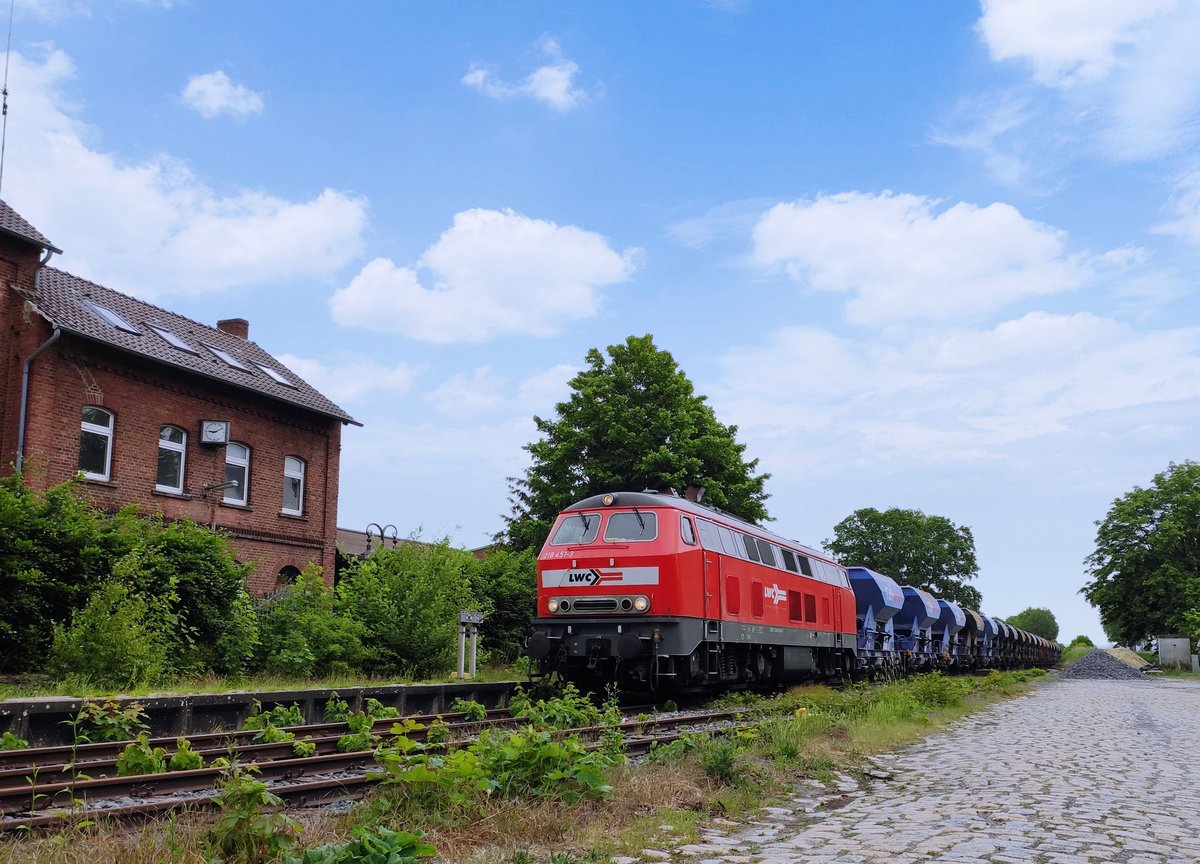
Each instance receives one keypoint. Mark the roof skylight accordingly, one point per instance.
(110, 317)
(227, 357)
(275, 375)
(171, 339)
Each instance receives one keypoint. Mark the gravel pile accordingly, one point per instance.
(1101, 664)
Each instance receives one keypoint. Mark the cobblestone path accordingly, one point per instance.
(1075, 772)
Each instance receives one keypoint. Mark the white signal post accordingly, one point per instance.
(468, 619)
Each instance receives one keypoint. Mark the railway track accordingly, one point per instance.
(35, 795)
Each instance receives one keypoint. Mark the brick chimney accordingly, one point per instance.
(238, 327)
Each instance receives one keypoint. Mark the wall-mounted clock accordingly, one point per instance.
(214, 431)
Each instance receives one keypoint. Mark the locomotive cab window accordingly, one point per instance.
(576, 529)
(631, 526)
(686, 531)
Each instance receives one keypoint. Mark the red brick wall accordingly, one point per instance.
(18, 263)
(145, 396)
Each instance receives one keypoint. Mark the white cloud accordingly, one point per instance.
(1068, 41)
(53, 10)
(906, 257)
(961, 395)
(352, 380)
(552, 84)
(482, 391)
(1128, 72)
(213, 94)
(493, 273)
(153, 227)
(1185, 205)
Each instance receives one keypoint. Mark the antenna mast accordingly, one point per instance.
(4, 91)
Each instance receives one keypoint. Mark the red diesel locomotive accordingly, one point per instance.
(652, 590)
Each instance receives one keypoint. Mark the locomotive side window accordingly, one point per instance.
(576, 529)
(767, 552)
(633, 526)
(709, 536)
(686, 531)
(751, 547)
(730, 542)
(805, 566)
(789, 561)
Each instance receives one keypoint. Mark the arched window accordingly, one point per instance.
(293, 486)
(237, 470)
(172, 450)
(95, 443)
(288, 574)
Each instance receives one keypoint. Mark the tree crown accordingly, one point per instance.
(632, 421)
(927, 552)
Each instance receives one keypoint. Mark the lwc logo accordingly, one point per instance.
(587, 577)
(775, 594)
(592, 577)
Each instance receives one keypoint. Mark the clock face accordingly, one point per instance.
(213, 431)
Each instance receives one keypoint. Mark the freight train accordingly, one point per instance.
(650, 590)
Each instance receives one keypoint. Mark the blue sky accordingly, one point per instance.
(934, 256)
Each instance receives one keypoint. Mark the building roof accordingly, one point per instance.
(11, 222)
(87, 309)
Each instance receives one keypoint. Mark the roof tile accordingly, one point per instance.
(13, 223)
(60, 297)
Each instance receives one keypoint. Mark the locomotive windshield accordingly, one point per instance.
(576, 529)
(631, 526)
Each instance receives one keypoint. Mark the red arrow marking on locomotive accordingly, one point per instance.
(606, 576)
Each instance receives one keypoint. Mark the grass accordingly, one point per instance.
(1073, 653)
(34, 687)
(806, 733)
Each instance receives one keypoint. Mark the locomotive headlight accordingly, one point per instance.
(552, 605)
(641, 604)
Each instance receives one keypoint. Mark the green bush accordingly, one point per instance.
(53, 555)
(370, 847)
(303, 632)
(206, 611)
(248, 831)
(935, 690)
(1082, 640)
(11, 741)
(719, 760)
(408, 598)
(108, 721)
(279, 715)
(185, 758)
(113, 642)
(505, 583)
(57, 552)
(139, 757)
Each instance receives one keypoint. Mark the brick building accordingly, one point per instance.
(155, 409)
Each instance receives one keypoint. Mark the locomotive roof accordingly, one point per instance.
(650, 498)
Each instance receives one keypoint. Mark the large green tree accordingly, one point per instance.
(1039, 621)
(928, 552)
(633, 421)
(1146, 566)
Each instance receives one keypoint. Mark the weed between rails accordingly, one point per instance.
(529, 796)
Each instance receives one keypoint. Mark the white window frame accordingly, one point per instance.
(181, 449)
(241, 493)
(289, 474)
(105, 432)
